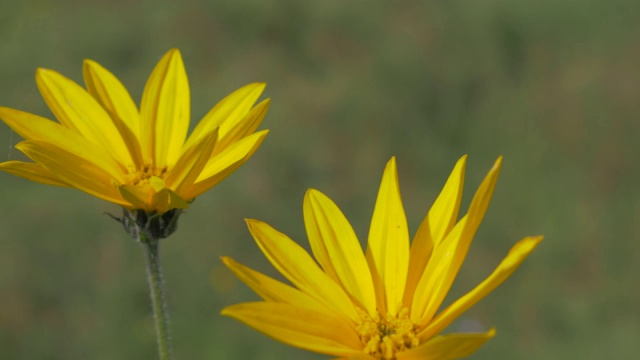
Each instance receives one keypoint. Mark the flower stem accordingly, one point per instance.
(158, 300)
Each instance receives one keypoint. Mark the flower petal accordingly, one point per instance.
(299, 327)
(336, 247)
(76, 109)
(243, 128)
(448, 257)
(228, 112)
(75, 170)
(388, 246)
(295, 264)
(33, 172)
(115, 99)
(152, 197)
(450, 346)
(435, 226)
(34, 127)
(190, 164)
(225, 163)
(273, 290)
(511, 262)
(164, 110)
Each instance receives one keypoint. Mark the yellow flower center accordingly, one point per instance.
(384, 336)
(141, 176)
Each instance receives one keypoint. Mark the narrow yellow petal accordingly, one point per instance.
(337, 249)
(295, 264)
(190, 164)
(428, 293)
(511, 262)
(33, 172)
(225, 163)
(33, 127)
(164, 110)
(450, 346)
(72, 169)
(247, 126)
(229, 111)
(273, 290)
(435, 226)
(115, 99)
(388, 246)
(298, 327)
(445, 263)
(76, 109)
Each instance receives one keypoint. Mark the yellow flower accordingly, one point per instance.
(382, 304)
(139, 159)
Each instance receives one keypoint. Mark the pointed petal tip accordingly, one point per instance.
(88, 62)
(391, 166)
(251, 222)
(260, 85)
(42, 72)
(529, 243)
(226, 311)
(498, 162)
(312, 193)
(175, 55)
(492, 332)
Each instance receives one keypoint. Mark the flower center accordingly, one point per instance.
(384, 336)
(141, 176)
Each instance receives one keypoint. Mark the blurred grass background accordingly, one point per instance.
(553, 85)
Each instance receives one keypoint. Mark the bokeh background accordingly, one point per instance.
(553, 85)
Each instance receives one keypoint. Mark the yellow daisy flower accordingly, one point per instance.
(140, 159)
(382, 304)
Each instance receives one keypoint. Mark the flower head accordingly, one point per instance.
(382, 303)
(140, 159)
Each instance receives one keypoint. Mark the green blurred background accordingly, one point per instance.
(552, 85)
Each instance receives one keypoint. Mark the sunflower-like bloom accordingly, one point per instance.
(381, 304)
(139, 159)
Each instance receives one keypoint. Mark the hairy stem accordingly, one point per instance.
(158, 299)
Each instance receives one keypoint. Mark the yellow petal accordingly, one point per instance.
(337, 249)
(435, 226)
(273, 290)
(448, 257)
(33, 127)
(298, 327)
(33, 172)
(152, 196)
(225, 163)
(516, 256)
(450, 346)
(115, 99)
(245, 127)
(190, 164)
(164, 110)
(388, 246)
(229, 111)
(166, 199)
(72, 169)
(295, 264)
(139, 197)
(428, 293)
(76, 109)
